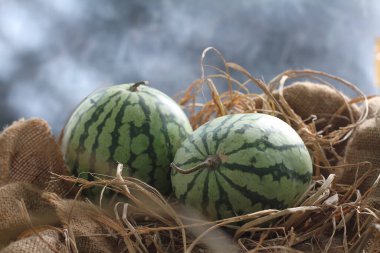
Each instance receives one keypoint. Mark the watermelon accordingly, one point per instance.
(241, 163)
(132, 124)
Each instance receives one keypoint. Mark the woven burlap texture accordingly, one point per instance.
(31, 197)
(47, 241)
(364, 147)
(28, 153)
(20, 206)
(328, 105)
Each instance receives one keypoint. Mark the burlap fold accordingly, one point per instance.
(329, 106)
(364, 147)
(46, 241)
(29, 153)
(22, 207)
(28, 157)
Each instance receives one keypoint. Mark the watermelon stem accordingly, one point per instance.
(212, 162)
(136, 85)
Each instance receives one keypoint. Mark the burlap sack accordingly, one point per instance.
(326, 103)
(47, 241)
(21, 207)
(80, 219)
(373, 107)
(364, 146)
(28, 153)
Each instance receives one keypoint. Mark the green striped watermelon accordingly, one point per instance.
(133, 124)
(241, 163)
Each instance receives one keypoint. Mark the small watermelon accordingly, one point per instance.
(132, 124)
(241, 163)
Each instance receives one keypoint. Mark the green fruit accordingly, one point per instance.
(241, 163)
(132, 124)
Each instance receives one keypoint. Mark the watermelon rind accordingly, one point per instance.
(260, 163)
(133, 124)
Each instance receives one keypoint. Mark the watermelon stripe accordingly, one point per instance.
(192, 160)
(254, 197)
(99, 129)
(165, 119)
(72, 133)
(84, 135)
(205, 144)
(263, 144)
(115, 134)
(245, 126)
(133, 131)
(165, 131)
(168, 118)
(219, 139)
(150, 149)
(277, 171)
(92, 121)
(205, 198)
(205, 132)
(197, 148)
(190, 186)
(217, 131)
(94, 117)
(93, 105)
(223, 199)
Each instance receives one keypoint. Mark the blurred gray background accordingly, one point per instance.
(53, 53)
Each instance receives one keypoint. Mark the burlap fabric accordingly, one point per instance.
(362, 161)
(46, 241)
(28, 153)
(20, 206)
(328, 105)
(373, 107)
(364, 146)
(31, 199)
